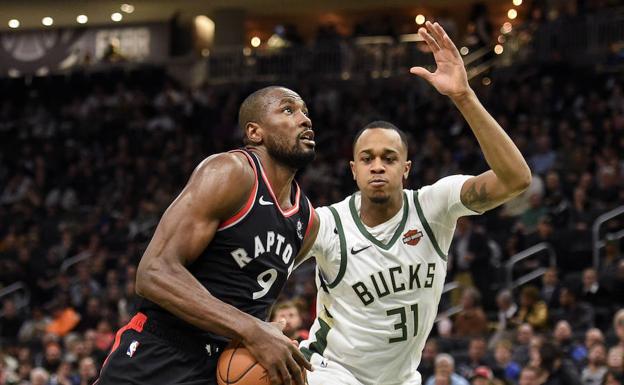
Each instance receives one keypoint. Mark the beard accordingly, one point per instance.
(380, 199)
(295, 157)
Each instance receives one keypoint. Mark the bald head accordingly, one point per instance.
(255, 105)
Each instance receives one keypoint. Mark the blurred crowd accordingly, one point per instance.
(89, 162)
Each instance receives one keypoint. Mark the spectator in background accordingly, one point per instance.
(10, 323)
(471, 255)
(427, 361)
(615, 359)
(578, 314)
(507, 310)
(595, 294)
(532, 309)
(557, 370)
(288, 311)
(529, 376)
(596, 368)
(520, 350)
(477, 350)
(482, 375)
(39, 376)
(471, 320)
(563, 338)
(504, 367)
(445, 371)
(551, 288)
(87, 371)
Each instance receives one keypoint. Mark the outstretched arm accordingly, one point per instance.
(509, 175)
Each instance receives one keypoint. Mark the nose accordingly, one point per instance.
(306, 121)
(377, 166)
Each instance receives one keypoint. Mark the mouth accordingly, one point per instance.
(378, 182)
(307, 138)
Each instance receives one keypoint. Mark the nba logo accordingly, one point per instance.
(132, 348)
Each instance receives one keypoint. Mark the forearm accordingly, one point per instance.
(501, 154)
(175, 289)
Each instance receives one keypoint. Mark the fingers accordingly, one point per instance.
(436, 31)
(301, 360)
(433, 45)
(285, 374)
(296, 372)
(423, 73)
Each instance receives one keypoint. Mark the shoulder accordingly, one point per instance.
(222, 181)
(233, 165)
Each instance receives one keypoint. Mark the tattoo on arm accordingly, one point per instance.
(474, 199)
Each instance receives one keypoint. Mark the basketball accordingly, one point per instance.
(237, 366)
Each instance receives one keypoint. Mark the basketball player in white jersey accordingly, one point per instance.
(381, 253)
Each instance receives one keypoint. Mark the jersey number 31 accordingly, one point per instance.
(402, 325)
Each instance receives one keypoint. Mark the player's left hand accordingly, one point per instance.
(450, 77)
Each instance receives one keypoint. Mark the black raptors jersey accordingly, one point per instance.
(252, 253)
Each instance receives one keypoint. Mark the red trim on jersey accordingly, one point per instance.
(136, 323)
(310, 219)
(242, 213)
(293, 210)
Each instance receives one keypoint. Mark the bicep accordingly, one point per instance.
(216, 190)
(485, 192)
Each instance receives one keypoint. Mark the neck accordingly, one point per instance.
(280, 177)
(373, 214)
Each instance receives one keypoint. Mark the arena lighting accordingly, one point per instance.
(420, 19)
(255, 42)
(517, 2)
(82, 19)
(14, 23)
(486, 81)
(512, 14)
(501, 39)
(116, 17)
(506, 28)
(464, 51)
(498, 49)
(127, 8)
(47, 21)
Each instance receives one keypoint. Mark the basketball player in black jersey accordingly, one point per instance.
(220, 256)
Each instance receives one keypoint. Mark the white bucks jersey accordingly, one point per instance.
(378, 292)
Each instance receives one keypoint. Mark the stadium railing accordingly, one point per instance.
(597, 242)
(521, 256)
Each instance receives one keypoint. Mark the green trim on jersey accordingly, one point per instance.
(369, 236)
(427, 227)
(320, 344)
(343, 249)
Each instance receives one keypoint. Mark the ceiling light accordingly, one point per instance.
(82, 19)
(420, 19)
(512, 14)
(47, 21)
(116, 17)
(255, 41)
(498, 49)
(517, 2)
(14, 23)
(127, 8)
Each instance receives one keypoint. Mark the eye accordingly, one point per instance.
(287, 110)
(390, 159)
(365, 158)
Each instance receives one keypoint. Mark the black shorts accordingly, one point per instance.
(144, 353)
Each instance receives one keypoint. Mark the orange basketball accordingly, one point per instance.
(236, 366)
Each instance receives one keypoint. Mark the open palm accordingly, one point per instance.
(450, 76)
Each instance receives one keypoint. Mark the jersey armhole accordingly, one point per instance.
(242, 213)
(428, 230)
(343, 249)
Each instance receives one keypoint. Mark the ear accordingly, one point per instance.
(352, 164)
(254, 133)
(407, 168)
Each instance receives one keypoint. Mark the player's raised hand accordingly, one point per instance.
(450, 76)
(281, 358)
